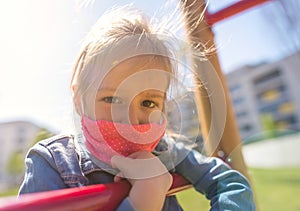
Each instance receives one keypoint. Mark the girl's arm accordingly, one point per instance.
(149, 178)
(40, 174)
(226, 189)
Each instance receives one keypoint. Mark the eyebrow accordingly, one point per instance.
(153, 94)
(106, 89)
(156, 95)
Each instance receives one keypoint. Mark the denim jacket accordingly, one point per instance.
(59, 162)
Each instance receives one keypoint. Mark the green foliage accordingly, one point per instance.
(41, 135)
(15, 164)
(269, 126)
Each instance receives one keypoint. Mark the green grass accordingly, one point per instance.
(191, 200)
(275, 189)
(11, 192)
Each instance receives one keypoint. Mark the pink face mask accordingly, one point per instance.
(104, 139)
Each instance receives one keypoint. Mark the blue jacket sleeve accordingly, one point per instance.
(40, 174)
(226, 189)
(125, 205)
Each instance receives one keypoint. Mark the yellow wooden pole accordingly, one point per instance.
(218, 124)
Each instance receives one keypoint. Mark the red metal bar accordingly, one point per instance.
(92, 198)
(231, 10)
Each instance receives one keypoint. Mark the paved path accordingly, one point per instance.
(281, 152)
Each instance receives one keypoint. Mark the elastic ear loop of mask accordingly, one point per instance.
(82, 105)
(163, 116)
(79, 65)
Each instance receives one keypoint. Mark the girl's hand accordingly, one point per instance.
(149, 178)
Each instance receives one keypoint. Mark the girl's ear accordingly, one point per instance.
(76, 99)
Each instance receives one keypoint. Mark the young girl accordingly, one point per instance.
(120, 85)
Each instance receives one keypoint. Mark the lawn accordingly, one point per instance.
(275, 189)
(11, 192)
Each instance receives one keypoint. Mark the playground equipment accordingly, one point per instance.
(228, 147)
(93, 198)
(221, 136)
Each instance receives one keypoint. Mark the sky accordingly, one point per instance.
(40, 40)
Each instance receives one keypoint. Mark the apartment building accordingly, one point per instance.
(15, 138)
(266, 92)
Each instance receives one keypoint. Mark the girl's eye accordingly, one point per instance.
(112, 100)
(149, 104)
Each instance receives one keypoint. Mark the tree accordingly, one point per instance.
(284, 19)
(41, 135)
(15, 165)
(269, 126)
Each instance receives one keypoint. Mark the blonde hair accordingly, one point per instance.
(118, 35)
(125, 32)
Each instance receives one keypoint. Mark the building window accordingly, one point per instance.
(241, 114)
(234, 88)
(282, 125)
(288, 122)
(290, 119)
(238, 100)
(267, 77)
(286, 108)
(270, 95)
(246, 128)
(269, 109)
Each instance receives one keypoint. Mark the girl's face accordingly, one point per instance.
(133, 91)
